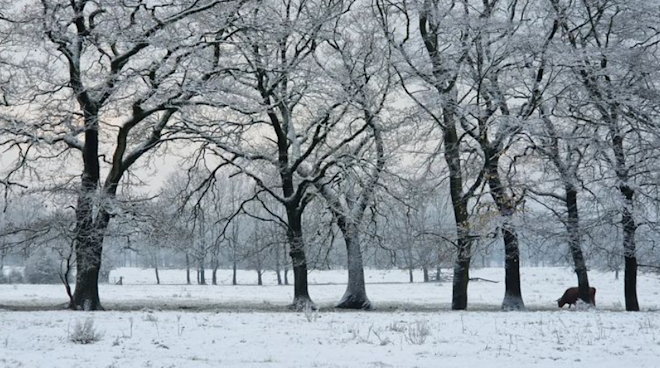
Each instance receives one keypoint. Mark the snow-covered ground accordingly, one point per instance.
(248, 326)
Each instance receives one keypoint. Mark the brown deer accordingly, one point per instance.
(571, 295)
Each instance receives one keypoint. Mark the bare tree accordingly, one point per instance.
(288, 123)
(365, 74)
(108, 74)
(438, 71)
(611, 45)
(565, 148)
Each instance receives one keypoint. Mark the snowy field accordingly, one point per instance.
(175, 325)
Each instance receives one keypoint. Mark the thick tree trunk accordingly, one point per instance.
(513, 299)
(630, 259)
(286, 276)
(301, 298)
(459, 204)
(260, 280)
(448, 94)
(460, 285)
(355, 296)
(575, 244)
(627, 214)
(425, 271)
(88, 260)
(90, 230)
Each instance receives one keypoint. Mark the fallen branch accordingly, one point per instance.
(482, 279)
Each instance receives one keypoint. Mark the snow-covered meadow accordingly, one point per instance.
(176, 325)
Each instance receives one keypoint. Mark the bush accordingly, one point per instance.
(42, 268)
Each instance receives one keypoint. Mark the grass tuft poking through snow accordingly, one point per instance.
(85, 333)
(417, 332)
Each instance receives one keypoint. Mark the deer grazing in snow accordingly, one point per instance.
(571, 295)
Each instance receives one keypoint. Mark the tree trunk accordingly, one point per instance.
(63, 277)
(575, 244)
(411, 266)
(277, 266)
(234, 267)
(425, 270)
(463, 241)
(459, 204)
(260, 280)
(286, 276)
(627, 215)
(451, 143)
(202, 274)
(301, 299)
(214, 274)
(157, 275)
(513, 299)
(90, 230)
(461, 278)
(355, 296)
(630, 259)
(188, 269)
(88, 260)
(438, 274)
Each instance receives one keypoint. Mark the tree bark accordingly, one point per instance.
(234, 270)
(214, 274)
(447, 91)
(277, 266)
(88, 259)
(301, 298)
(216, 264)
(355, 296)
(188, 269)
(459, 204)
(202, 274)
(575, 244)
(89, 234)
(630, 259)
(157, 275)
(513, 299)
(627, 214)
